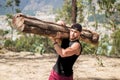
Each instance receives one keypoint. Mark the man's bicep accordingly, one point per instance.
(68, 52)
(71, 50)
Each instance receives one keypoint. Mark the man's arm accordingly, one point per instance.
(74, 49)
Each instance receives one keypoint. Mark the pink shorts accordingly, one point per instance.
(56, 76)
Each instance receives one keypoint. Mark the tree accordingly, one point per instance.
(111, 9)
(71, 13)
(13, 5)
(93, 11)
(80, 12)
(65, 12)
(74, 11)
(116, 43)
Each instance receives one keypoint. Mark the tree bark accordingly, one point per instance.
(33, 25)
(74, 11)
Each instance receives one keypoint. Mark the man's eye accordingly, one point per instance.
(75, 31)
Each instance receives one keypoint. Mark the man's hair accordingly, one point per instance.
(77, 26)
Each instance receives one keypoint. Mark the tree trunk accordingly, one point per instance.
(33, 25)
(74, 11)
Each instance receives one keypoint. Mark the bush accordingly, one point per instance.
(88, 48)
(116, 43)
(2, 32)
(103, 47)
(35, 44)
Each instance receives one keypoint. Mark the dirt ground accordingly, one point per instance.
(26, 66)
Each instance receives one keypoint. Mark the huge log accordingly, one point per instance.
(29, 24)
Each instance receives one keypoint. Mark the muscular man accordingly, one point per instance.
(68, 53)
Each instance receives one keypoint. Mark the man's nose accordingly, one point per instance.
(72, 33)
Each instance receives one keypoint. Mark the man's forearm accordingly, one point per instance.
(58, 49)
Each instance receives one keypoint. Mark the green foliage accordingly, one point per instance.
(8, 43)
(111, 9)
(35, 44)
(2, 32)
(103, 45)
(118, 6)
(116, 43)
(9, 19)
(17, 2)
(106, 5)
(88, 49)
(13, 5)
(40, 49)
(18, 10)
(80, 8)
(9, 3)
(9, 16)
(65, 12)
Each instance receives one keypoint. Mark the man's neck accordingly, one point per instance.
(74, 39)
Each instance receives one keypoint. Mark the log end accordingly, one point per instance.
(89, 37)
(18, 22)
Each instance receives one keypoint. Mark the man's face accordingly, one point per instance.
(74, 34)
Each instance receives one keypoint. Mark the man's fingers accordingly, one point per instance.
(58, 35)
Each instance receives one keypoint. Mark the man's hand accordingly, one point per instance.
(54, 40)
(58, 35)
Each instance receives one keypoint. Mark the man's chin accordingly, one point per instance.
(72, 39)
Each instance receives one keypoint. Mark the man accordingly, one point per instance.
(64, 42)
(62, 70)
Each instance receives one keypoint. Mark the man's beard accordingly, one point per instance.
(74, 38)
